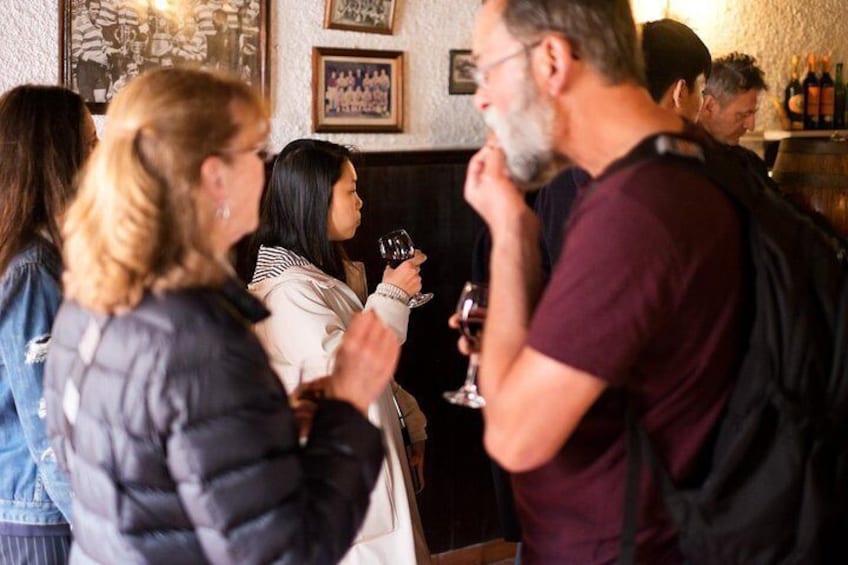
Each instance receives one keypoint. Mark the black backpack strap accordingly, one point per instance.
(639, 449)
(630, 516)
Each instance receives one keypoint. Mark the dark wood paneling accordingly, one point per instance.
(422, 192)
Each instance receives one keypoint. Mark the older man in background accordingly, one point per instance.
(732, 97)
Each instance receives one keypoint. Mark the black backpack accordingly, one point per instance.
(777, 487)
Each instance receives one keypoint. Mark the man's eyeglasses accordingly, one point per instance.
(480, 74)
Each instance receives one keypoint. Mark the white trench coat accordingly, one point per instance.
(310, 312)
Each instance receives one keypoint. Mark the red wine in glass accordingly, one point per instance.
(395, 248)
(472, 327)
(471, 310)
(395, 263)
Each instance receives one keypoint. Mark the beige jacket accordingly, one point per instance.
(310, 312)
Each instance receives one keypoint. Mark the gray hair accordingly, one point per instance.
(734, 74)
(601, 32)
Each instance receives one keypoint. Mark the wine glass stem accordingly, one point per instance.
(471, 373)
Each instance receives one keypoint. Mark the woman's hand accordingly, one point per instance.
(407, 275)
(365, 361)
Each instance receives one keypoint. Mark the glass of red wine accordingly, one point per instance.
(396, 247)
(471, 310)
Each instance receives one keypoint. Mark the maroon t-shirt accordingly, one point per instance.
(646, 296)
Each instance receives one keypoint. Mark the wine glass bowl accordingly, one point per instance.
(471, 311)
(395, 248)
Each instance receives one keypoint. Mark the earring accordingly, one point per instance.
(223, 212)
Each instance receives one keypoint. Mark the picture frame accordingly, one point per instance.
(461, 79)
(370, 16)
(357, 90)
(105, 43)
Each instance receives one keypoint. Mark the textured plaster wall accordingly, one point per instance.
(771, 30)
(426, 30)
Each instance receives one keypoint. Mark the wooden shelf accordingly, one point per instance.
(778, 134)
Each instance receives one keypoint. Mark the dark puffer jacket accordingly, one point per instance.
(183, 448)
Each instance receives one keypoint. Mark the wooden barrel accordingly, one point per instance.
(814, 172)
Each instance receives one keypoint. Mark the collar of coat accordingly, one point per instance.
(274, 261)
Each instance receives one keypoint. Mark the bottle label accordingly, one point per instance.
(796, 104)
(828, 101)
(813, 93)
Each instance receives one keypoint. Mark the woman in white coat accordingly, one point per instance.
(304, 278)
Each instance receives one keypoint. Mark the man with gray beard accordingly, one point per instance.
(643, 307)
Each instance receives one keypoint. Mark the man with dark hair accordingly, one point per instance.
(643, 306)
(677, 64)
(731, 97)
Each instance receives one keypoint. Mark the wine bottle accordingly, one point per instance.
(828, 95)
(812, 95)
(840, 97)
(793, 101)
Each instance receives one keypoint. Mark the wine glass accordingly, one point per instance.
(471, 310)
(396, 247)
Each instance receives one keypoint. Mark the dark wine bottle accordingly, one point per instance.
(793, 101)
(828, 96)
(840, 97)
(812, 95)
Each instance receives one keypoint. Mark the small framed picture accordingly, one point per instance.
(355, 90)
(371, 16)
(105, 43)
(461, 72)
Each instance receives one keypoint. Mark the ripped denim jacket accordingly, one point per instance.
(33, 490)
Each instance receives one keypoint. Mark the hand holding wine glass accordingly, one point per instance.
(471, 313)
(397, 247)
(407, 275)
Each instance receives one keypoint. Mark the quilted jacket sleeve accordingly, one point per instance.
(253, 494)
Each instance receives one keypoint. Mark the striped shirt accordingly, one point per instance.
(231, 9)
(108, 15)
(87, 41)
(274, 261)
(191, 48)
(203, 15)
(128, 14)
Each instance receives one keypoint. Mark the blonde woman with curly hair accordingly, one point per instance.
(179, 438)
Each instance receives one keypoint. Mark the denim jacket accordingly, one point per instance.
(33, 490)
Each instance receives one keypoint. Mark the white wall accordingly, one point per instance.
(426, 30)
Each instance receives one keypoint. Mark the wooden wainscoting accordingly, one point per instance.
(421, 191)
(489, 553)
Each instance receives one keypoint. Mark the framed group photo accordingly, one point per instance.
(106, 43)
(371, 16)
(461, 72)
(355, 90)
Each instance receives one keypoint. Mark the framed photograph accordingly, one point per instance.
(461, 72)
(103, 44)
(372, 16)
(355, 90)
